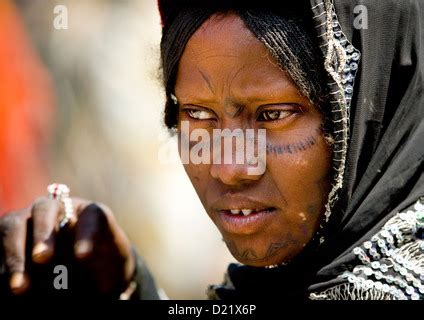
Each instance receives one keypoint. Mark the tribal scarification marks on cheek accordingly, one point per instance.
(291, 148)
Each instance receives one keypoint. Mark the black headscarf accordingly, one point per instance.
(370, 244)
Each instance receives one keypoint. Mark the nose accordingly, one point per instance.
(234, 174)
(243, 167)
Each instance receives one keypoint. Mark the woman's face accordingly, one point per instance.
(228, 80)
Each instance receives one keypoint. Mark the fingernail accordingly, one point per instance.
(83, 248)
(17, 281)
(39, 251)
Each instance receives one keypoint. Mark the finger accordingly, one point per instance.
(13, 229)
(45, 213)
(91, 225)
(97, 230)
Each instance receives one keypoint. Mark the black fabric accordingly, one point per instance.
(384, 172)
(385, 164)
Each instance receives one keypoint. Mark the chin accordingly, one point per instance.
(258, 256)
(263, 264)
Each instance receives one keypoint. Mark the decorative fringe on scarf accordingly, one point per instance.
(392, 263)
(347, 291)
(342, 63)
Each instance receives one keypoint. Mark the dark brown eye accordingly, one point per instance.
(199, 114)
(272, 115)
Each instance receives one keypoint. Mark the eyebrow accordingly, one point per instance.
(205, 77)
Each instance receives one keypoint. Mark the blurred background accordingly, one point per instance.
(81, 103)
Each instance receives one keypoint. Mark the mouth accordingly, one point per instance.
(246, 221)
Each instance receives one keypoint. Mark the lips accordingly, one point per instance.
(244, 212)
(243, 216)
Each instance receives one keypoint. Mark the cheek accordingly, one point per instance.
(197, 173)
(303, 177)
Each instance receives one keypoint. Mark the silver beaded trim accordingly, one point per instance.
(391, 262)
(342, 63)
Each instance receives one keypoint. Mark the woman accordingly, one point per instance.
(337, 212)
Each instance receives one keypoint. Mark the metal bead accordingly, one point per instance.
(394, 229)
(369, 284)
(399, 259)
(393, 290)
(355, 56)
(373, 251)
(384, 233)
(349, 89)
(368, 271)
(415, 296)
(354, 66)
(384, 268)
(410, 290)
(376, 256)
(416, 283)
(367, 245)
(419, 206)
(357, 251)
(378, 285)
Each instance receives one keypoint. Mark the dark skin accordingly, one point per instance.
(92, 242)
(227, 79)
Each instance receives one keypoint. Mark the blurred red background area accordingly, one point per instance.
(26, 114)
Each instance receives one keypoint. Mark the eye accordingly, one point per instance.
(272, 115)
(199, 114)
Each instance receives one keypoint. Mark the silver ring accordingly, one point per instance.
(61, 192)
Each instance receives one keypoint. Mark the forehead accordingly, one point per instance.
(223, 34)
(225, 51)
